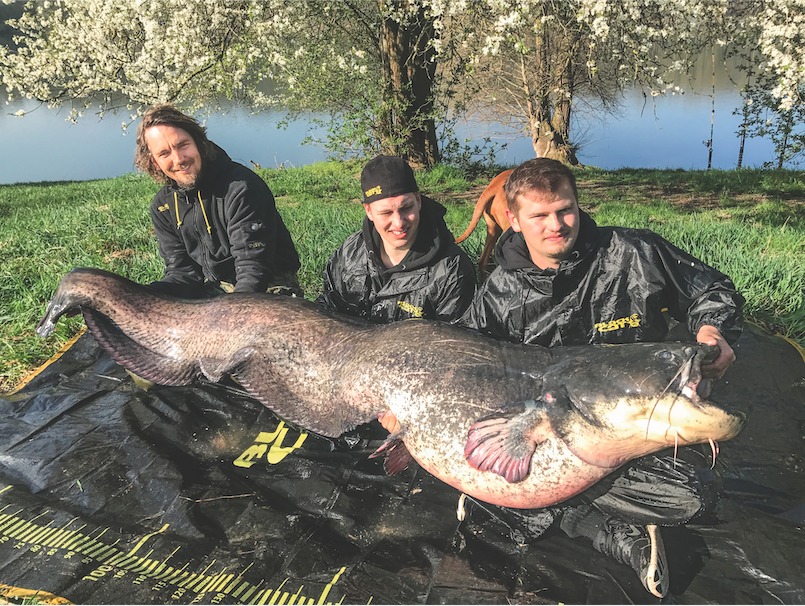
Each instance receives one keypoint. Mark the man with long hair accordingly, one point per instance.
(215, 220)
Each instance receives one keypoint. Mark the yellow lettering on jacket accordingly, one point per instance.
(276, 453)
(163, 208)
(373, 191)
(632, 321)
(411, 309)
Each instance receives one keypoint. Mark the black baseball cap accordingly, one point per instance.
(386, 176)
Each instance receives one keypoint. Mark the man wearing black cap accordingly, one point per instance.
(404, 263)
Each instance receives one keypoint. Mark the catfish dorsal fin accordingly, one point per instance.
(504, 441)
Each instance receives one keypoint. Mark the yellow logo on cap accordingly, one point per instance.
(374, 191)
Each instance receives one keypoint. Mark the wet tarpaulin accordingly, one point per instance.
(112, 494)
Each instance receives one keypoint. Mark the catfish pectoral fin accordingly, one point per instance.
(397, 457)
(215, 368)
(504, 442)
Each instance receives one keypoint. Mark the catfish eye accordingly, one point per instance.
(664, 354)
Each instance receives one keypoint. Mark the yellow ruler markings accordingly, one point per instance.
(43, 532)
(62, 537)
(142, 541)
(273, 599)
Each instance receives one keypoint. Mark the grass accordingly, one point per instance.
(749, 224)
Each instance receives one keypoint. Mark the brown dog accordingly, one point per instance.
(492, 205)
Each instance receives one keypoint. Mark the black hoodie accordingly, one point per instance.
(227, 228)
(435, 280)
(614, 287)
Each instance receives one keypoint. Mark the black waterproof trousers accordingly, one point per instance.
(657, 489)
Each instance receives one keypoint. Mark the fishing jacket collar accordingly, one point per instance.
(511, 252)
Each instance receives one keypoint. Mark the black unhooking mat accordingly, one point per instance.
(111, 494)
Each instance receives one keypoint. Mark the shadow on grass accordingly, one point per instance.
(785, 184)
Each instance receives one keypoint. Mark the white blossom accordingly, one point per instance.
(128, 54)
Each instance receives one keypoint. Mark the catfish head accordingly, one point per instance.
(617, 403)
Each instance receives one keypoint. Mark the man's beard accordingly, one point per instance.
(187, 185)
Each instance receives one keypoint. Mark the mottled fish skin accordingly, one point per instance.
(513, 425)
(262, 340)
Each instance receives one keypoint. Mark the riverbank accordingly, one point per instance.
(750, 224)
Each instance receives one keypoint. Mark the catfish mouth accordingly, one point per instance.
(688, 380)
(689, 383)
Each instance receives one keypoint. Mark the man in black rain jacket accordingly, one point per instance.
(561, 280)
(616, 286)
(216, 222)
(404, 263)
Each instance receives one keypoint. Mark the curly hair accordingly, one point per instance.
(538, 174)
(167, 114)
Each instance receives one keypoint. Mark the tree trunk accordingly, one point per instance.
(742, 143)
(549, 143)
(422, 69)
(742, 129)
(549, 118)
(786, 128)
(407, 127)
(710, 142)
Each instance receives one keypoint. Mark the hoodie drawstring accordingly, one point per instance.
(176, 208)
(203, 211)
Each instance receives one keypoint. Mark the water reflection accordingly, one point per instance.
(43, 146)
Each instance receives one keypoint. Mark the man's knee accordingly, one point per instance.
(668, 490)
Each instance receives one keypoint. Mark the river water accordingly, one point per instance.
(44, 146)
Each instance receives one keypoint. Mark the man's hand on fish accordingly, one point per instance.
(710, 335)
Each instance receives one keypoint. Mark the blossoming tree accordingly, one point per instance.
(540, 58)
(370, 63)
(386, 71)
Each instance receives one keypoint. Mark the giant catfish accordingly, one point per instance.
(513, 425)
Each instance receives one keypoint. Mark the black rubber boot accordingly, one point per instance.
(639, 547)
